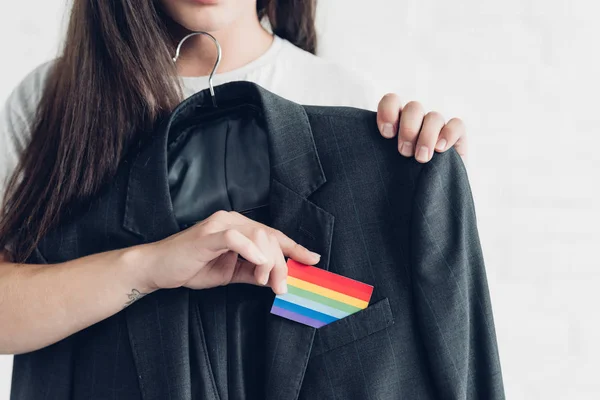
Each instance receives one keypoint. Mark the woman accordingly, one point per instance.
(69, 123)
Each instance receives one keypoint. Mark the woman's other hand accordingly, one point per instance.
(206, 255)
(419, 133)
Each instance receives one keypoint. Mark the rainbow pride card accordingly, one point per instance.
(317, 297)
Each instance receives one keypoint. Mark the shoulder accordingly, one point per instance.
(323, 82)
(24, 98)
(16, 118)
(19, 109)
(443, 186)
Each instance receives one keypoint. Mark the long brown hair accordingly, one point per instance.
(112, 82)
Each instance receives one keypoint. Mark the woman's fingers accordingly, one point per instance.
(234, 240)
(388, 115)
(454, 133)
(278, 278)
(288, 246)
(263, 247)
(419, 135)
(294, 250)
(244, 272)
(274, 272)
(263, 270)
(433, 123)
(411, 120)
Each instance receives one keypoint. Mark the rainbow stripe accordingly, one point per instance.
(317, 297)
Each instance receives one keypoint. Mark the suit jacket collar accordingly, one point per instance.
(294, 159)
(296, 173)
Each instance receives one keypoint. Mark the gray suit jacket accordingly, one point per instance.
(338, 188)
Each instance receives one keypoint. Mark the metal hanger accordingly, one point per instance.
(210, 82)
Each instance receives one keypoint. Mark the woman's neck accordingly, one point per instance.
(241, 42)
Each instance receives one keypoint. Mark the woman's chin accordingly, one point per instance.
(202, 18)
(206, 23)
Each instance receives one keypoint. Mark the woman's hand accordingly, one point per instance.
(206, 255)
(419, 133)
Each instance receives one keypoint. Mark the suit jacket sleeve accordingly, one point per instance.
(452, 300)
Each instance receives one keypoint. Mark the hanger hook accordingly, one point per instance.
(210, 82)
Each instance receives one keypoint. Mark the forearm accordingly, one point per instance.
(42, 304)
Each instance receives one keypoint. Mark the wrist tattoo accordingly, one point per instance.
(134, 296)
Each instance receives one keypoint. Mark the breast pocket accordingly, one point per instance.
(372, 319)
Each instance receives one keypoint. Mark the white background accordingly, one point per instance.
(523, 75)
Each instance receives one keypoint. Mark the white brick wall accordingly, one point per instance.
(522, 74)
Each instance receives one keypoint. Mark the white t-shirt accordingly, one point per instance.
(283, 69)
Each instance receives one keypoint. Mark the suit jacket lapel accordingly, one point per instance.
(158, 323)
(297, 173)
(288, 343)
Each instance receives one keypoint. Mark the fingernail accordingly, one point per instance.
(264, 279)
(387, 130)
(441, 144)
(423, 154)
(407, 149)
(315, 255)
